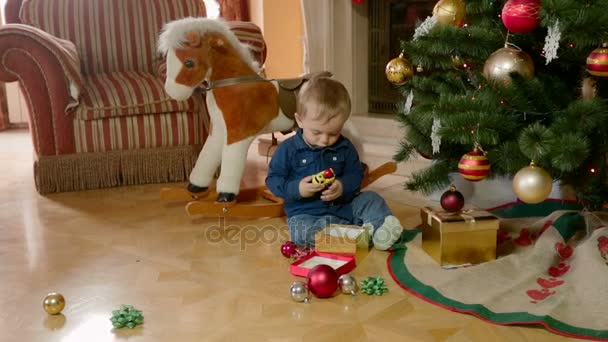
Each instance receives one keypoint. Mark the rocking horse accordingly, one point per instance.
(203, 52)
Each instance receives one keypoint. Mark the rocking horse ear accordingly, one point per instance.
(193, 39)
(217, 42)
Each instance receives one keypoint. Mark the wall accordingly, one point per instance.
(338, 37)
(350, 29)
(281, 23)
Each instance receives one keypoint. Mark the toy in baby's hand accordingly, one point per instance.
(325, 177)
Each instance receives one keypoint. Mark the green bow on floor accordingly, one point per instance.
(127, 316)
(373, 286)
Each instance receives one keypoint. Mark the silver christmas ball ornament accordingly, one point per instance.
(299, 293)
(348, 284)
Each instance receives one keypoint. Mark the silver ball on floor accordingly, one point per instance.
(348, 284)
(299, 293)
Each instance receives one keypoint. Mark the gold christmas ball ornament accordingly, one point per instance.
(532, 184)
(506, 60)
(53, 303)
(399, 70)
(450, 12)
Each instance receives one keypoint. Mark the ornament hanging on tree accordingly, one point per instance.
(532, 184)
(474, 166)
(597, 61)
(450, 12)
(506, 60)
(435, 136)
(409, 101)
(322, 281)
(554, 34)
(424, 28)
(452, 200)
(399, 70)
(521, 16)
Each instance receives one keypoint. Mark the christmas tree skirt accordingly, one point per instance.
(551, 271)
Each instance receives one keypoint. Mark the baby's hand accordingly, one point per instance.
(308, 189)
(334, 191)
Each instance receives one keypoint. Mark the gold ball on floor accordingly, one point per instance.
(53, 303)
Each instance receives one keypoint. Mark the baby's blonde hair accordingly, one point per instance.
(323, 97)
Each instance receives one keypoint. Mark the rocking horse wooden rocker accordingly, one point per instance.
(241, 105)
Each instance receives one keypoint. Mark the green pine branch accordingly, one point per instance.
(542, 119)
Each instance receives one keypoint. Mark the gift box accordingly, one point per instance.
(342, 239)
(341, 263)
(461, 238)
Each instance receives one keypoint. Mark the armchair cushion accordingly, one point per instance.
(128, 93)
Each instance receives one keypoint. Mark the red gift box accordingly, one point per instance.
(341, 263)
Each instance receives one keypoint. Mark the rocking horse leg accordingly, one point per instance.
(229, 182)
(207, 163)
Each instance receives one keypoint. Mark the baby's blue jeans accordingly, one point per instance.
(368, 208)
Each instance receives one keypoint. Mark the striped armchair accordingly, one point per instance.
(93, 82)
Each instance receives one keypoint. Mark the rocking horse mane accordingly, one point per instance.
(173, 36)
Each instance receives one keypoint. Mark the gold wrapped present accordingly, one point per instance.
(464, 237)
(342, 239)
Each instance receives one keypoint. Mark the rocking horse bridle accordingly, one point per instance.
(227, 82)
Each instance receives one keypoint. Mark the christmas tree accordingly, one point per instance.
(515, 82)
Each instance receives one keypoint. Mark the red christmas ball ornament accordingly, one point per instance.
(521, 16)
(329, 173)
(322, 281)
(474, 166)
(288, 249)
(452, 200)
(597, 61)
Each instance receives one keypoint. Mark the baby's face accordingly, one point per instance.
(319, 132)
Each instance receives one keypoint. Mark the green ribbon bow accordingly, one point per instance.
(126, 316)
(373, 286)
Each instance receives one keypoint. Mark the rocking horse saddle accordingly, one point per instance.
(289, 88)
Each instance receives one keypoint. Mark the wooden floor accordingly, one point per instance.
(195, 280)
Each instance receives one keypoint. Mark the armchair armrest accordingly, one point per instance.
(48, 69)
